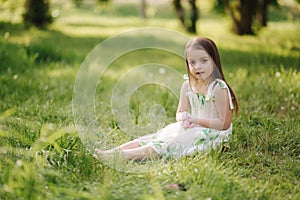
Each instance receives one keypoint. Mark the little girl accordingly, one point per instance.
(204, 113)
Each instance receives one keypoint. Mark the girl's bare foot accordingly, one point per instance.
(96, 153)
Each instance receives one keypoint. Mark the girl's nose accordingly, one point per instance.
(197, 65)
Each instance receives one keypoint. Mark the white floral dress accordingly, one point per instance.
(174, 141)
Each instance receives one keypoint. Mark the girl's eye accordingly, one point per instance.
(204, 60)
(191, 63)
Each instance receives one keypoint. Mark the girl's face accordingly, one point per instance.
(200, 64)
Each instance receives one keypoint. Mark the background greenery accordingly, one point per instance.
(42, 156)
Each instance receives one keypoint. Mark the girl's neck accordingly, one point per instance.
(200, 85)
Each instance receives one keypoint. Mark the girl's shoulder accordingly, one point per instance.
(185, 76)
(222, 84)
(186, 83)
(185, 87)
(218, 85)
(220, 89)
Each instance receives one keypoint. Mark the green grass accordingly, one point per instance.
(44, 158)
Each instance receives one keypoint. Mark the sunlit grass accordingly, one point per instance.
(43, 155)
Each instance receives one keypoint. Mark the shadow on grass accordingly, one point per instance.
(51, 50)
(257, 61)
(48, 46)
(16, 29)
(44, 47)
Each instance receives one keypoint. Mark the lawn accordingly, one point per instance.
(43, 156)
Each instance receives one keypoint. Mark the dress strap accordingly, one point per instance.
(222, 84)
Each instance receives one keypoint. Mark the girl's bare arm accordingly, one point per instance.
(224, 112)
(184, 105)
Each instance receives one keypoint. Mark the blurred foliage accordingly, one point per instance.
(103, 1)
(11, 9)
(77, 3)
(219, 6)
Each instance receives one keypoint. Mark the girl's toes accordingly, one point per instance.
(95, 156)
(96, 153)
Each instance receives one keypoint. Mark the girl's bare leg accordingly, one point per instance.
(130, 154)
(129, 145)
(139, 153)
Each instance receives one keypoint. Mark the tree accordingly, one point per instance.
(11, 9)
(37, 13)
(179, 11)
(193, 17)
(245, 12)
(143, 7)
(219, 6)
(242, 13)
(261, 14)
(190, 23)
(262, 11)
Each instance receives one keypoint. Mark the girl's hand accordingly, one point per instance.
(181, 116)
(187, 124)
(193, 120)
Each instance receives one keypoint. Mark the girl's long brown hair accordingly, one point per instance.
(210, 47)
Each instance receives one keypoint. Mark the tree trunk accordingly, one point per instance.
(143, 7)
(194, 17)
(241, 12)
(262, 12)
(37, 13)
(189, 24)
(179, 11)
